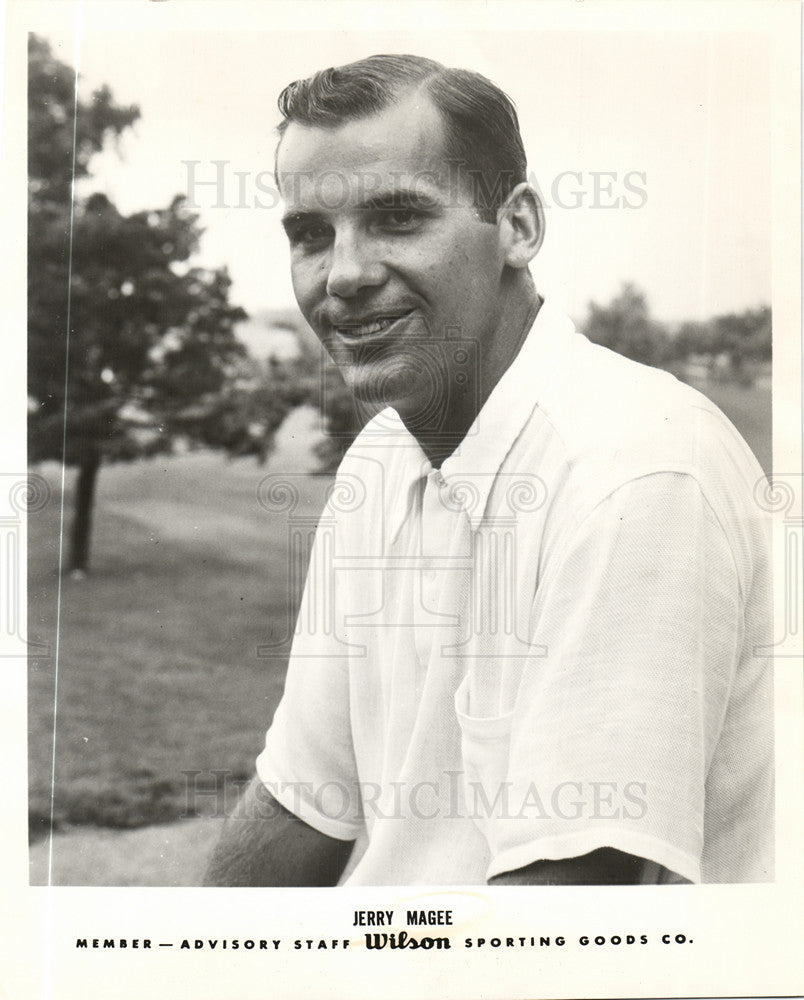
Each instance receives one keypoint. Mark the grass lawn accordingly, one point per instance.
(158, 672)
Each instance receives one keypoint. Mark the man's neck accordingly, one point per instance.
(467, 400)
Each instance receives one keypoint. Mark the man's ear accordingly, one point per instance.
(521, 221)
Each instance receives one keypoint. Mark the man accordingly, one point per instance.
(550, 582)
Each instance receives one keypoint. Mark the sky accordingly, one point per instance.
(651, 149)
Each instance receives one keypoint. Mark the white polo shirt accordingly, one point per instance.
(556, 643)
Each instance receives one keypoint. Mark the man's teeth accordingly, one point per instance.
(364, 329)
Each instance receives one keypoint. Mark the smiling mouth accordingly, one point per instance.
(368, 329)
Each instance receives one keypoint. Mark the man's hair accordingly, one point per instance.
(480, 121)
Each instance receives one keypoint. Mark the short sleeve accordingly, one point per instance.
(638, 623)
(308, 761)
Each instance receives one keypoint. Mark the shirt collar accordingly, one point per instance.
(470, 471)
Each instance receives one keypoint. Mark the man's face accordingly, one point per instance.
(389, 255)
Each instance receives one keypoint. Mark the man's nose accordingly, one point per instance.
(353, 266)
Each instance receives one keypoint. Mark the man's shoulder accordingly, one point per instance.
(610, 421)
(610, 411)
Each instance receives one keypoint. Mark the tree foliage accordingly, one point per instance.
(61, 142)
(342, 419)
(626, 326)
(738, 341)
(246, 417)
(124, 335)
(733, 345)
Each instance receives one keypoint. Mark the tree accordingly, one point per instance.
(308, 379)
(342, 419)
(625, 326)
(744, 338)
(733, 345)
(124, 336)
(246, 417)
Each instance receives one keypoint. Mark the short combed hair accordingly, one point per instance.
(481, 125)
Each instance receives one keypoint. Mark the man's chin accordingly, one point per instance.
(394, 383)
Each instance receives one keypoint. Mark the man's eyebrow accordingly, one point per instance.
(378, 200)
(402, 197)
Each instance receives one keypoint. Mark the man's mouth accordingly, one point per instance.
(368, 328)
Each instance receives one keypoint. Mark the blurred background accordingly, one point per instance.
(192, 376)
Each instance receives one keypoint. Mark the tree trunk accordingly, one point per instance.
(82, 516)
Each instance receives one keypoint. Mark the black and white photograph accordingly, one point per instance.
(403, 500)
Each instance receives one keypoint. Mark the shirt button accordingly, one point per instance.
(429, 575)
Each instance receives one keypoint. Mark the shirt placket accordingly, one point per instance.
(443, 569)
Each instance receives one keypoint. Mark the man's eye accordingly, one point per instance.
(310, 235)
(399, 218)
